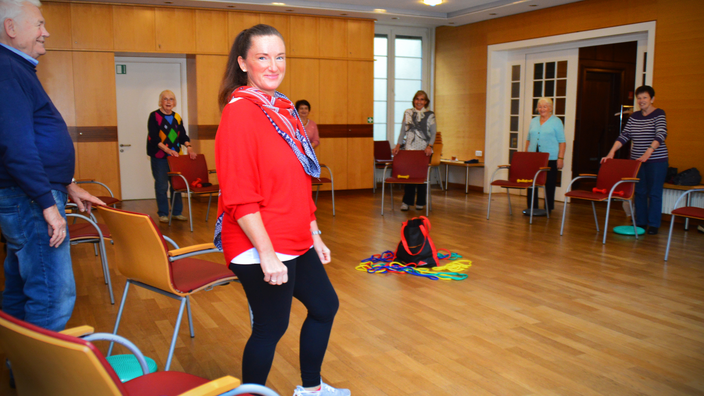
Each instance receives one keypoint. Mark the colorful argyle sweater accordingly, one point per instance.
(172, 134)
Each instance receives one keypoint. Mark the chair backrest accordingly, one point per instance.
(437, 155)
(140, 249)
(190, 169)
(382, 150)
(612, 171)
(411, 163)
(45, 362)
(525, 164)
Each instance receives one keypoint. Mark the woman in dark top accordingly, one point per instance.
(165, 138)
(647, 129)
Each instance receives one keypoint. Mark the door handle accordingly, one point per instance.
(125, 145)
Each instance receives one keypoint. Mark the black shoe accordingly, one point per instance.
(652, 230)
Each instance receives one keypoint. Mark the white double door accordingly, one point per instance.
(552, 74)
(138, 92)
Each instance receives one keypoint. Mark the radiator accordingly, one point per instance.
(669, 197)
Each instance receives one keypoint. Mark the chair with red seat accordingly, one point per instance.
(382, 157)
(688, 212)
(90, 231)
(527, 170)
(185, 173)
(109, 200)
(45, 362)
(408, 167)
(319, 181)
(143, 258)
(615, 181)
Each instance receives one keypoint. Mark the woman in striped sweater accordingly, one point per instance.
(647, 129)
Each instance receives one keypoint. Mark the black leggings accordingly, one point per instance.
(550, 184)
(271, 308)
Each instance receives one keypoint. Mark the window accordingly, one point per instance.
(400, 70)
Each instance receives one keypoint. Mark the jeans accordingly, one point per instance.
(160, 171)
(39, 284)
(648, 193)
(271, 307)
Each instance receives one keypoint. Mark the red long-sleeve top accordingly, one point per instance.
(258, 172)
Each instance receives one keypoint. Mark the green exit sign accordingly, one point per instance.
(120, 69)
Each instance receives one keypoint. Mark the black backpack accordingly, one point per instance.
(689, 177)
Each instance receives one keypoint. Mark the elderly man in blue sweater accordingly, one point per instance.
(36, 176)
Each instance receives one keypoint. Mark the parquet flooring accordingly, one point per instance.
(539, 314)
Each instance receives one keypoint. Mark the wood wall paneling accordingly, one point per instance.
(58, 23)
(333, 38)
(333, 92)
(175, 30)
(91, 26)
(100, 161)
(359, 34)
(360, 155)
(207, 148)
(305, 40)
(211, 32)
(94, 87)
(237, 22)
(134, 28)
(55, 71)
(209, 72)
(360, 91)
(305, 83)
(333, 153)
(282, 23)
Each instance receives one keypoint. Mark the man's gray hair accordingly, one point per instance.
(13, 8)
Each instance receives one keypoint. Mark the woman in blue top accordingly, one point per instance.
(547, 135)
(647, 129)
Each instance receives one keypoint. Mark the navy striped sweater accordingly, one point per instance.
(643, 130)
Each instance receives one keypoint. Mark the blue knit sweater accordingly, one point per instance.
(35, 146)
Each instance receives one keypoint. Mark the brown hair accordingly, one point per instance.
(234, 76)
(427, 99)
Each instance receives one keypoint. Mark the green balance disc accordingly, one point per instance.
(628, 230)
(127, 367)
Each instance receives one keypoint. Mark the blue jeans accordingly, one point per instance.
(160, 171)
(648, 197)
(39, 284)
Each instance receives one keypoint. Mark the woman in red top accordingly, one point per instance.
(266, 225)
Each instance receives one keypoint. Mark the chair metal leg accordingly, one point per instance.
(633, 219)
(119, 313)
(106, 270)
(190, 317)
(488, 209)
(547, 211)
(596, 221)
(669, 236)
(427, 200)
(207, 213)
(383, 186)
(391, 191)
(190, 213)
(175, 336)
(95, 248)
(564, 211)
(606, 222)
(171, 208)
(532, 198)
(508, 194)
(317, 191)
(332, 190)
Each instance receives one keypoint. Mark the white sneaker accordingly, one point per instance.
(420, 207)
(325, 390)
(404, 207)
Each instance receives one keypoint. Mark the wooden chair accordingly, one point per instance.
(408, 167)
(144, 259)
(688, 212)
(184, 172)
(319, 181)
(615, 181)
(527, 170)
(45, 362)
(89, 231)
(382, 157)
(109, 200)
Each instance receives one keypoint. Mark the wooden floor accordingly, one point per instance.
(539, 314)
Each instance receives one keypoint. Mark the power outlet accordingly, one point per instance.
(478, 153)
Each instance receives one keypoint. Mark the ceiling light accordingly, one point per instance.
(432, 3)
(379, 10)
(279, 4)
